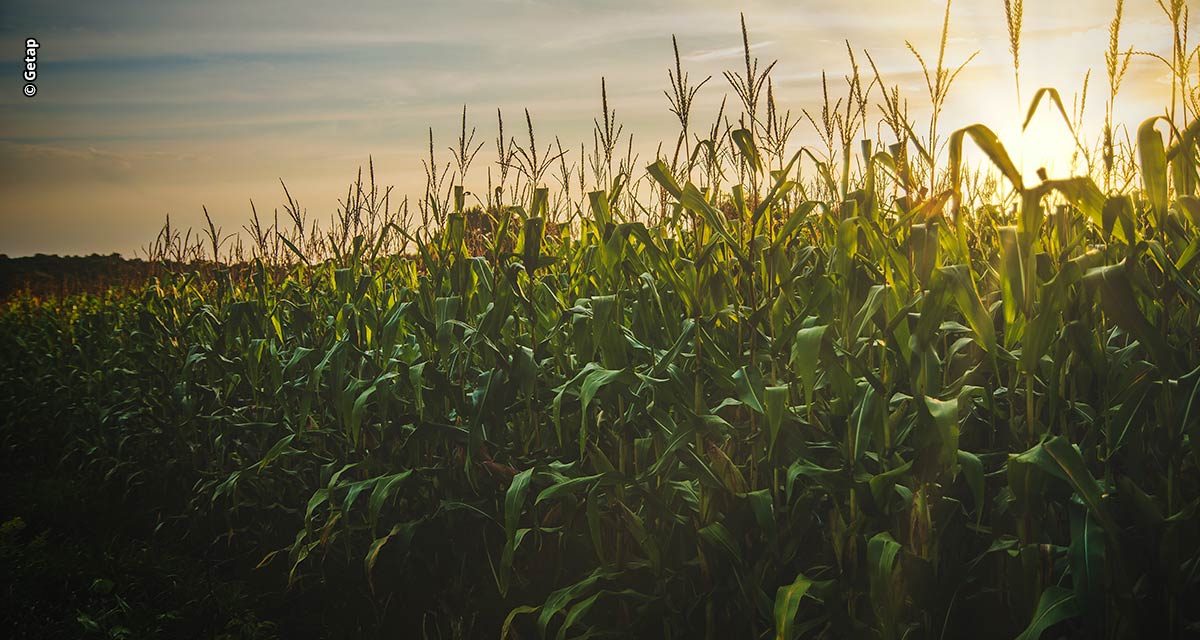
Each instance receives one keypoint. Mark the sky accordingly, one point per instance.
(146, 108)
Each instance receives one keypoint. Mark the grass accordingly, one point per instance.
(872, 390)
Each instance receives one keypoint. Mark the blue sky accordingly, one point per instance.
(152, 107)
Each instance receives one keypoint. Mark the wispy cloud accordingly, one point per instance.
(726, 53)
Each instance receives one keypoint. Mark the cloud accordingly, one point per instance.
(725, 53)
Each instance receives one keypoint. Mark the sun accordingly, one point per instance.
(1046, 141)
(1046, 144)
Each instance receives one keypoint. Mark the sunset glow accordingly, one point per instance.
(151, 108)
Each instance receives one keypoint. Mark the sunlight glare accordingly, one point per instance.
(1045, 143)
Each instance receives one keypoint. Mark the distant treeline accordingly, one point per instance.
(44, 275)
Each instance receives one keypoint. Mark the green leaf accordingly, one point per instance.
(532, 243)
(1052, 93)
(637, 528)
(935, 440)
(558, 600)
(694, 201)
(578, 610)
(566, 486)
(385, 488)
(806, 348)
(662, 174)
(283, 446)
(596, 380)
(1119, 301)
(747, 391)
(717, 535)
(1056, 604)
(973, 470)
(514, 500)
(357, 412)
(601, 213)
(822, 475)
(795, 220)
(401, 531)
(886, 587)
(506, 628)
(1153, 160)
(787, 602)
(745, 143)
(987, 142)
(1087, 559)
(354, 491)
(776, 401)
(1061, 459)
(514, 504)
(961, 285)
(763, 507)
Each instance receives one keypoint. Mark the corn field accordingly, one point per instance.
(873, 390)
